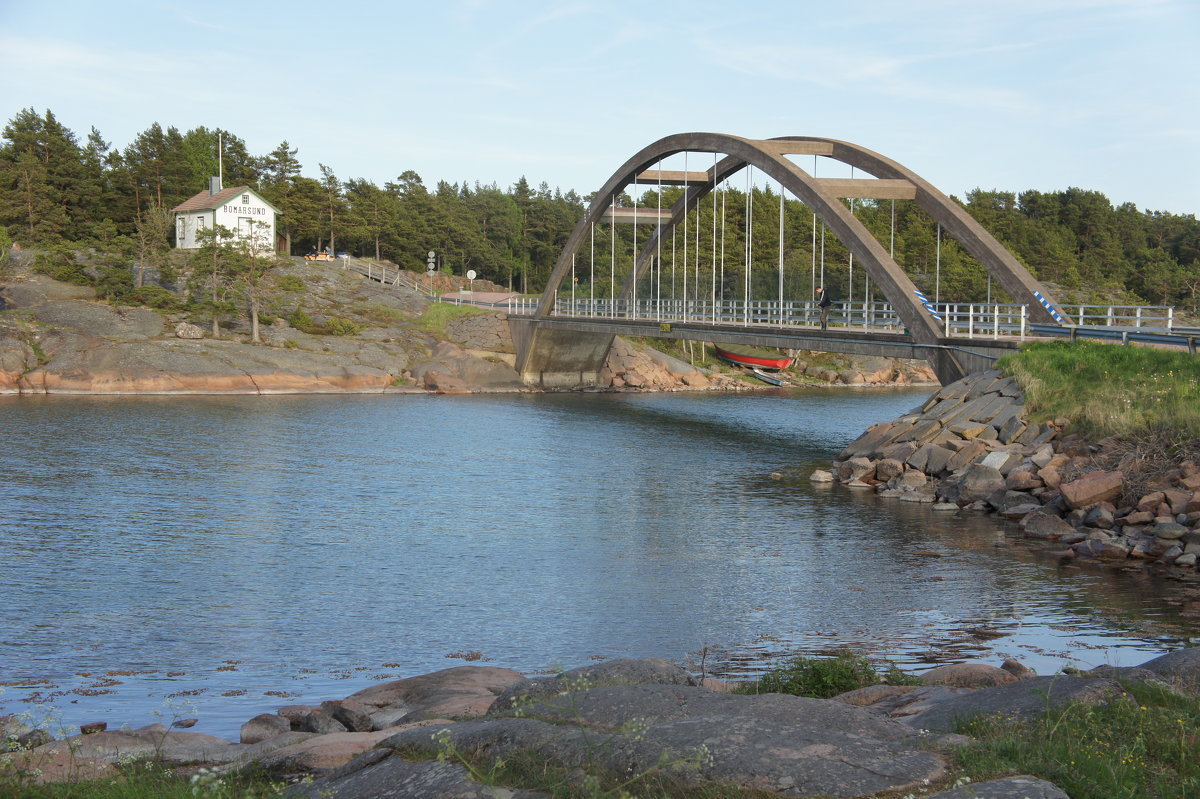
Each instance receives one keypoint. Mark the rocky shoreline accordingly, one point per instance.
(971, 447)
(55, 338)
(631, 716)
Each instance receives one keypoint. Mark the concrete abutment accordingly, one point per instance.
(556, 358)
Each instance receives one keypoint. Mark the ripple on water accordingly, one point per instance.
(324, 543)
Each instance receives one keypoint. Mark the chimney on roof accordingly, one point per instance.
(214, 186)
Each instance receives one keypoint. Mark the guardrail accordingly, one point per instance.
(970, 320)
(1170, 338)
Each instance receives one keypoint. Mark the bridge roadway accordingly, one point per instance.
(569, 350)
(567, 334)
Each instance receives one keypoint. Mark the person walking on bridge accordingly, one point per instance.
(824, 301)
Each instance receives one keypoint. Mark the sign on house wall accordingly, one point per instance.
(247, 215)
(252, 220)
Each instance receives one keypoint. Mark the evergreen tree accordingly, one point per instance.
(212, 271)
(40, 174)
(334, 206)
(279, 172)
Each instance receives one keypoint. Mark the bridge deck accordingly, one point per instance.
(839, 340)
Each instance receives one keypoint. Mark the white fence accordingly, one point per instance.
(972, 320)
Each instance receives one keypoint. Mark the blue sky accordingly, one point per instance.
(1008, 94)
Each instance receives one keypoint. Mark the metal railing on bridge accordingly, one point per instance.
(970, 320)
(1144, 323)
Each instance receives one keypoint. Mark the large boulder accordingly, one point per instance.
(888, 468)
(188, 330)
(319, 754)
(320, 722)
(354, 716)
(378, 774)
(1022, 786)
(968, 675)
(459, 692)
(788, 745)
(623, 671)
(855, 469)
(1093, 487)
(977, 482)
(263, 727)
(1045, 525)
(1025, 699)
(1180, 668)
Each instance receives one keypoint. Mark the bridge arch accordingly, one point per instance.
(822, 196)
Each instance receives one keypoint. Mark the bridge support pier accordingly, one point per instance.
(556, 358)
(950, 365)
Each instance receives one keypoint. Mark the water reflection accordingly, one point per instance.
(312, 540)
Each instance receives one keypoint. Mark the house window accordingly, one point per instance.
(199, 221)
(245, 199)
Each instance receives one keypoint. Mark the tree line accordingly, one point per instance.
(56, 189)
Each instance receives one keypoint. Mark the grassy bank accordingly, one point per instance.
(1143, 746)
(438, 314)
(147, 780)
(1110, 390)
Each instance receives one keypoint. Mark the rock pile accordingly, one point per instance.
(852, 370)
(630, 367)
(971, 446)
(625, 717)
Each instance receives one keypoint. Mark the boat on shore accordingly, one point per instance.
(772, 379)
(751, 357)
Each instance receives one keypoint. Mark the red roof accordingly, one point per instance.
(206, 202)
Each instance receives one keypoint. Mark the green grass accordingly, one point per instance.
(438, 314)
(381, 314)
(1110, 390)
(146, 780)
(1146, 746)
(822, 678)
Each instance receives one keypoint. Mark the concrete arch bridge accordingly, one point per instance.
(564, 340)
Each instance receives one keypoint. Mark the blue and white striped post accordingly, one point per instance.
(1045, 304)
(928, 305)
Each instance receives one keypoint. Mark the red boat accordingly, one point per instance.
(752, 358)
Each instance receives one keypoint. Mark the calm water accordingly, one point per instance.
(165, 557)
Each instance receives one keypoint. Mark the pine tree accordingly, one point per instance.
(40, 170)
(279, 172)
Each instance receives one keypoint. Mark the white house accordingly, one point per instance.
(240, 209)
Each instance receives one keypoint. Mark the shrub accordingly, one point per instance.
(334, 326)
(301, 321)
(59, 263)
(339, 326)
(291, 283)
(823, 678)
(157, 297)
(114, 281)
